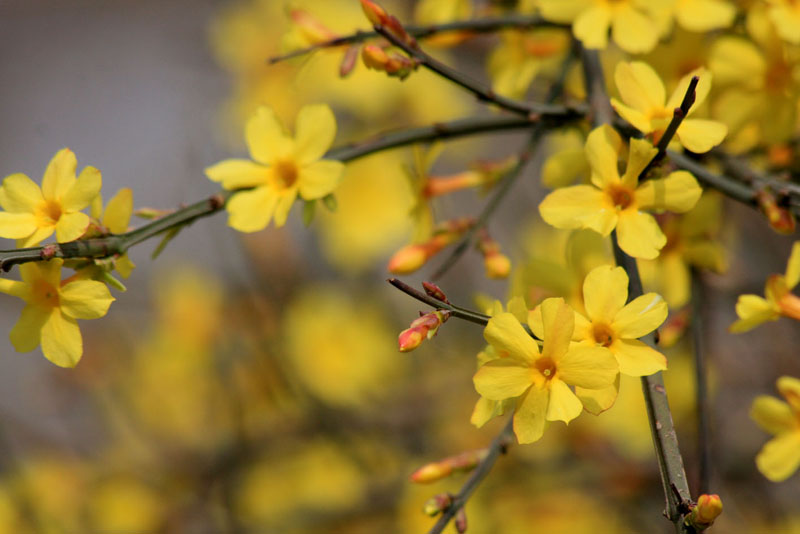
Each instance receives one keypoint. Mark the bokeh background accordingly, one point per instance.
(252, 383)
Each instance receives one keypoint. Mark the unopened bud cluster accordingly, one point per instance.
(425, 327)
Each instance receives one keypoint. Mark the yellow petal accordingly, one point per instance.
(59, 175)
(787, 22)
(780, 457)
(319, 178)
(789, 387)
(596, 401)
(636, 358)
(486, 410)
(771, 414)
(83, 190)
(558, 321)
(701, 135)
(705, 15)
(603, 146)
(639, 235)
(85, 299)
(20, 194)
(639, 86)
(27, 333)
(588, 367)
(251, 211)
(678, 192)
(124, 266)
(285, 202)
(535, 322)
(561, 10)
(737, 60)
(637, 119)
(505, 333)
(563, 404)
(701, 91)
(605, 291)
(14, 288)
(752, 311)
(61, 340)
(591, 27)
(633, 31)
(238, 173)
(71, 226)
(579, 206)
(266, 137)
(793, 266)
(315, 131)
(17, 225)
(504, 378)
(640, 316)
(118, 212)
(564, 168)
(529, 417)
(38, 236)
(675, 279)
(640, 154)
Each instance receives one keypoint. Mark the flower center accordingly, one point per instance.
(286, 173)
(45, 294)
(546, 368)
(620, 196)
(50, 211)
(602, 334)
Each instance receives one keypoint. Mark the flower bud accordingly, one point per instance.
(374, 13)
(312, 29)
(408, 259)
(707, 509)
(437, 504)
(374, 57)
(466, 461)
(434, 291)
(780, 218)
(460, 521)
(424, 327)
(498, 266)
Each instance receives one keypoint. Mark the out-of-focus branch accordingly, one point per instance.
(701, 384)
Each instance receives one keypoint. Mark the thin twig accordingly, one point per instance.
(484, 93)
(497, 447)
(730, 188)
(485, 25)
(701, 385)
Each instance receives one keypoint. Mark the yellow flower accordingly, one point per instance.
(540, 381)
(704, 15)
(114, 220)
(646, 108)
(33, 214)
(634, 25)
(780, 457)
(754, 310)
(616, 327)
(284, 167)
(52, 307)
(615, 202)
(785, 15)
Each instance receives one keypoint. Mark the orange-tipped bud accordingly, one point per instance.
(780, 218)
(424, 327)
(410, 339)
(673, 329)
(374, 57)
(466, 461)
(443, 185)
(411, 257)
(431, 472)
(311, 28)
(434, 291)
(437, 504)
(374, 13)
(460, 521)
(498, 266)
(408, 259)
(707, 509)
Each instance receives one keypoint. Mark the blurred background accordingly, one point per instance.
(251, 383)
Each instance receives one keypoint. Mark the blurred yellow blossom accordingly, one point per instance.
(785, 15)
(33, 214)
(615, 202)
(122, 503)
(521, 56)
(780, 457)
(51, 309)
(283, 167)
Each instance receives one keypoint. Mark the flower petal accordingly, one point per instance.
(319, 178)
(15, 288)
(118, 211)
(505, 333)
(780, 457)
(564, 168)
(752, 311)
(504, 378)
(605, 291)
(591, 27)
(37, 236)
(529, 417)
(793, 266)
(596, 401)
(558, 320)
(563, 404)
(238, 173)
(640, 316)
(266, 138)
(701, 91)
(285, 202)
(27, 333)
(579, 206)
(17, 225)
(71, 226)
(486, 410)
(315, 130)
(59, 175)
(636, 358)
(61, 340)
(700, 16)
(603, 146)
(789, 387)
(637, 119)
(633, 31)
(639, 155)
(771, 414)
(678, 192)
(639, 234)
(85, 299)
(588, 367)
(20, 194)
(639, 86)
(83, 190)
(701, 135)
(250, 211)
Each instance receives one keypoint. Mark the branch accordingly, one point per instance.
(701, 384)
(497, 447)
(486, 25)
(483, 93)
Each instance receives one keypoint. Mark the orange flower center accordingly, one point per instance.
(286, 173)
(45, 294)
(620, 196)
(546, 367)
(602, 334)
(50, 211)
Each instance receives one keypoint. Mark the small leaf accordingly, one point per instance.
(309, 209)
(168, 236)
(330, 202)
(109, 279)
